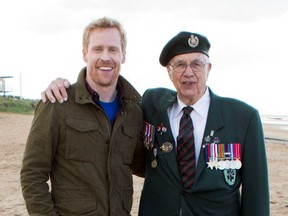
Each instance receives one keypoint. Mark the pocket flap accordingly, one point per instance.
(81, 124)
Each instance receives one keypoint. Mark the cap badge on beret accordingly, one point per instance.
(193, 41)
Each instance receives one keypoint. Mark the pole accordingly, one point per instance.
(21, 86)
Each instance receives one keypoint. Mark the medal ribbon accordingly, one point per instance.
(229, 151)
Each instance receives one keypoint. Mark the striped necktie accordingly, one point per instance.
(186, 149)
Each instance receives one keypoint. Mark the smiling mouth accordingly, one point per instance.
(106, 68)
(188, 83)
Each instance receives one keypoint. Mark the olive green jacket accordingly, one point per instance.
(89, 162)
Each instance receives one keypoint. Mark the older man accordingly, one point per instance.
(204, 147)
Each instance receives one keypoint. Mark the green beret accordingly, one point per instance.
(184, 42)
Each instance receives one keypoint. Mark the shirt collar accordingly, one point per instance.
(95, 95)
(201, 106)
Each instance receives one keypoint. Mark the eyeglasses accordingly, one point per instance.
(180, 67)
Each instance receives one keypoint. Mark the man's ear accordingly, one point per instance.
(169, 71)
(209, 68)
(123, 57)
(84, 55)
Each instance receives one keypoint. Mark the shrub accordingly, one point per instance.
(17, 105)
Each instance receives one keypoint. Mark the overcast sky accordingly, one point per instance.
(41, 40)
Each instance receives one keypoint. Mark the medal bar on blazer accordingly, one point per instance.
(149, 131)
(223, 156)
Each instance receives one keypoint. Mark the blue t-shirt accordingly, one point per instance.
(110, 108)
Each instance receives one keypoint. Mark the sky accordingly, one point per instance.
(41, 40)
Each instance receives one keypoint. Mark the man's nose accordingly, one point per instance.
(189, 71)
(105, 55)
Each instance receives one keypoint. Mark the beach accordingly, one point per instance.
(14, 129)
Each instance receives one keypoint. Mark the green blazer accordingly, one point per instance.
(228, 192)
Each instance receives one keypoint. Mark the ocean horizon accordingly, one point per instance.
(275, 127)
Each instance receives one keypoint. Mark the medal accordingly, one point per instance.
(221, 165)
(238, 164)
(166, 147)
(148, 138)
(211, 164)
(223, 156)
(154, 163)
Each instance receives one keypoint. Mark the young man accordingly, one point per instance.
(89, 146)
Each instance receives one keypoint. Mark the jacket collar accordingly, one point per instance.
(127, 93)
(167, 99)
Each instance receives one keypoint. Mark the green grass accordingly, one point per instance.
(17, 105)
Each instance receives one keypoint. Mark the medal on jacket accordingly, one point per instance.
(223, 156)
(148, 136)
(166, 147)
(154, 162)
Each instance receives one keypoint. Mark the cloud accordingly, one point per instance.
(241, 10)
(56, 16)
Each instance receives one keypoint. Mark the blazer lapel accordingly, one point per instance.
(214, 123)
(161, 115)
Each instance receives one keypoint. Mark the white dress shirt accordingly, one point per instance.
(199, 118)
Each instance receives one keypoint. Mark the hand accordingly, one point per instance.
(56, 89)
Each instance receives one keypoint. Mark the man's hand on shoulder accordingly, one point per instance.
(56, 90)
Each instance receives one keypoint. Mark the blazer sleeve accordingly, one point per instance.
(255, 187)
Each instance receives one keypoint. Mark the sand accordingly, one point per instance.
(13, 133)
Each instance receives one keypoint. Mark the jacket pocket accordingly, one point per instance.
(127, 145)
(131, 130)
(74, 201)
(77, 207)
(83, 141)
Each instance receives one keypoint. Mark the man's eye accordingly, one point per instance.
(97, 49)
(113, 50)
(196, 64)
(180, 65)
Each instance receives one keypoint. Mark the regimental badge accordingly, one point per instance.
(161, 128)
(230, 176)
(166, 147)
(223, 156)
(207, 139)
(149, 132)
(193, 41)
(216, 140)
